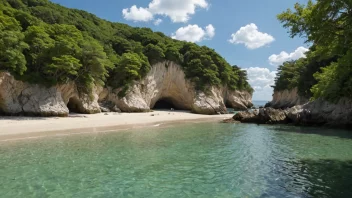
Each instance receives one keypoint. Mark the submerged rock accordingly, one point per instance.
(230, 121)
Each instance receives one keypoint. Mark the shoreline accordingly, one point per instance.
(19, 128)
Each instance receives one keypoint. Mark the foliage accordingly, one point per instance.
(11, 45)
(42, 42)
(326, 71)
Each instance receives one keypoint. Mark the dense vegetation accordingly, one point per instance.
(326, 72)
(42, 42)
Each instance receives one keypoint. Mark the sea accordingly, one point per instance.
(194, 159)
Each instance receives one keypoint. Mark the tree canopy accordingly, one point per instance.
(43, 42)
(326, 71)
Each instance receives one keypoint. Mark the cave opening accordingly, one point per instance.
(227, 104)
(165, 104)
(229, 107)
(73, 105)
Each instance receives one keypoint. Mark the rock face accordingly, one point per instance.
(318, 113)
(286, 99)
(165, 81)
(19, 98)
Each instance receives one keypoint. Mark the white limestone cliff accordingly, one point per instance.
(166, 80)
(287, 99)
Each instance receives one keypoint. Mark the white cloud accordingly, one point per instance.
(210, 31)
(177, 10)
(137, 14)
(278, 59)
(158, 21)
(261, 79)
(251, 37)
(194, 33)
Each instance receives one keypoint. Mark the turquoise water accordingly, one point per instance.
(192, 160)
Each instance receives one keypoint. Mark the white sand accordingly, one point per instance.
(11, 127)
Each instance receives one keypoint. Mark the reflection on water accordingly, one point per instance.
(207, 160)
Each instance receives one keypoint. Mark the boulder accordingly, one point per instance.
(247, 117)
(262, 116)
(272, 116)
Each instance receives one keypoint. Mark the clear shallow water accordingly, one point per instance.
(192, 160)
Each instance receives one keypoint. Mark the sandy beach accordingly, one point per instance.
(25, 127)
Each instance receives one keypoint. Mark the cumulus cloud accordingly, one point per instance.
(137, 14)
(278, 59)
(158, 21)
(210, 31)
(261, 79)
(177, 10)
(251, 37)
(194, 33)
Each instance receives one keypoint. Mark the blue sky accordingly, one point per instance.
(262, 36)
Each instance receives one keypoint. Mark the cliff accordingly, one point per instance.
(286, 99)
(166, 80)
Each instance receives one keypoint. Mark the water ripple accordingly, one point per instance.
(193, 160)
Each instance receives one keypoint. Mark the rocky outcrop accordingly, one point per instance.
(262, 116)
(19, 98)
(319, 112)
(239, 100)
(165, 81)
(286, 99)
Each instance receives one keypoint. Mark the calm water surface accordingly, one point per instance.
(192, 160)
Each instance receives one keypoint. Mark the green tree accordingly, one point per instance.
(94, 62)
(11, 45)
(154, 53)
(40, 44)
(63, 68)
(328, 25)
(74, 45)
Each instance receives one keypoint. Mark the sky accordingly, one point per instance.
(246, 33)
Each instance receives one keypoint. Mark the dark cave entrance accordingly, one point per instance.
(164, 104)
(73, 105)
(229, 107)
(227, 104)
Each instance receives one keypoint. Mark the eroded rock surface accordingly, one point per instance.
(166, 80)
(19, 98)
(286, 99)
(319, 113)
